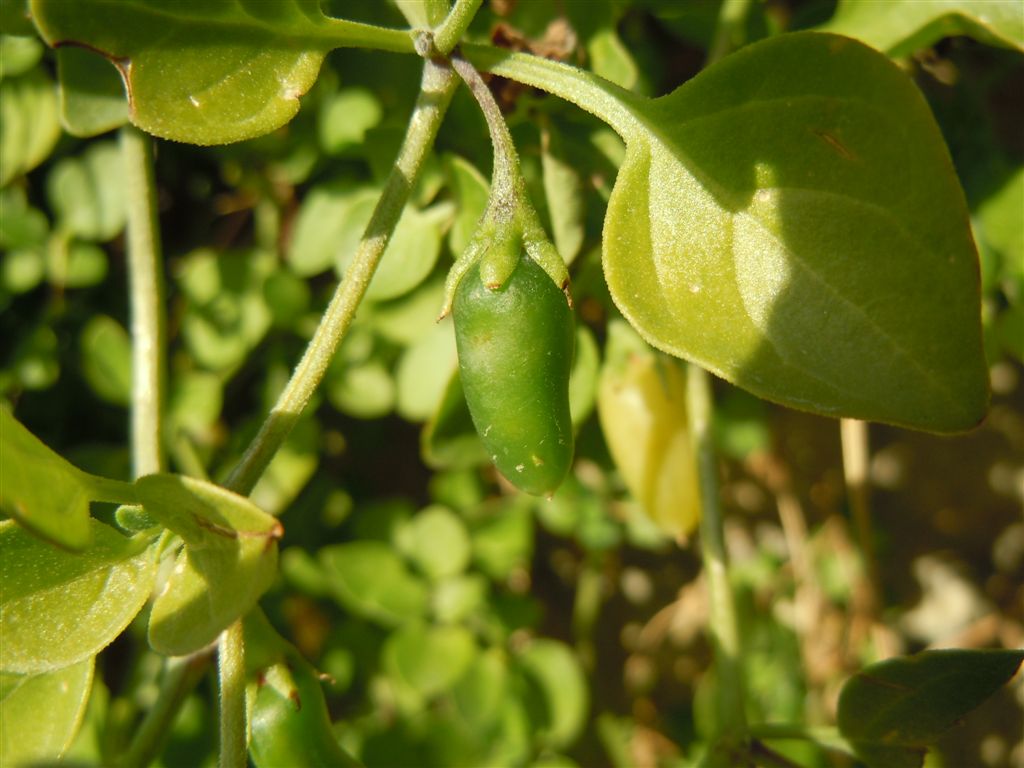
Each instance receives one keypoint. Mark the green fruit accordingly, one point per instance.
(289, 722)
(642, 407)
(515, 348)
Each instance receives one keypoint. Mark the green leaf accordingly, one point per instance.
(470, 190)
(40, 489)
(610, 58)
(228, 562)
(429, 660)
(557, 672)
(583, 378)
(74, 264)
(18, 54)
(27, 736)
(88, 193)
(291, 468)
(107, 359)
(92, 97)
(900, 27)
(891, 710)
(207, 73)
(437, 542)
(449, 439)
(424, 371)
(369, 579)
(59, 608)
(345, 119)
(28, 123)
(564, 192)
(790, 220)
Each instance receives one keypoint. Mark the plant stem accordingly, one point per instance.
(180, 676)
(353, 34)
(231, 664)
(724, 627)
(506, 180)
(146, 294)
(454, 26)
(853, 436)
(438, 85)
(600, 97)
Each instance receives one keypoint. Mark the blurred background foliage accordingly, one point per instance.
(458, 622)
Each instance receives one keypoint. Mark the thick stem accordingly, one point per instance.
(724, 627)
(180, 676)
(145, 278)
(231, 664)
(447, 35)
(437, 87)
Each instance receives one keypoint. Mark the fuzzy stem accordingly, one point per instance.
(231, 665)
(724, 626)
(147, 306)
(437, 87)
(447, 35)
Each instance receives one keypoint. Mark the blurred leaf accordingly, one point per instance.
(583, 378)
(25, 736)
(18, 54)
(557, 672)
(424, 371)
(470, 190)
(409, 318)
(40, 489)
(429, 660)
(346, 117)
(610, 59)
(799, 193)
(204, 74)
(92, 97)
(437, 542)
(365, 390)
(88, 192)
(107, 359)
(21, 225)
(28, 123)
(459, 597)
(893, 709)
(900, 27)
(21, 271)
(449, 439)
(368, 578)
(74, 264)
(195, 402)
(482, 691)
(59, 608)
(1003, 228)
(287, 296)
(319, 226)
(503, 541)
(35, 363)
(563, 190)
(226, 315)
(228, 562)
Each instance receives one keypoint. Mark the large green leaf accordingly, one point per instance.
(40, 489)
(92, 98)
(900, 27)
(208, 73)
(58, 608)
(27, 736)
(892, 710)
(228, 561)
(790, 220)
